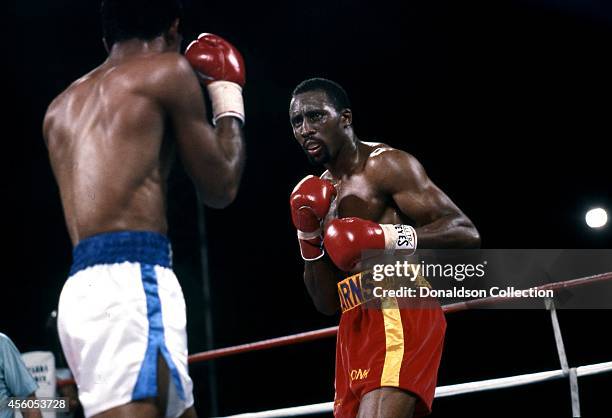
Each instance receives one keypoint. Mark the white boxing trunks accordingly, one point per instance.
(120, 307)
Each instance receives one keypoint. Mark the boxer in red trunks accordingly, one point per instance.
(370, 197)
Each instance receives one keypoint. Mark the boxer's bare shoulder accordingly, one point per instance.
(386, 166)
(112, 84)
(384, 155)
(142, 70)
(152, 70)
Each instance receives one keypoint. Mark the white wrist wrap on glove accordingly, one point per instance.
(399, 237)
(309, 235)
(305, 237)
(226, 98)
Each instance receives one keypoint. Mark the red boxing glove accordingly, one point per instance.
(346, 238)
(220, 67)
(310, 201)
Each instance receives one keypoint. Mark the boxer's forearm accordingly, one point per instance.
(231, 141)
(320, 278)
(216, 161)
(455, 231)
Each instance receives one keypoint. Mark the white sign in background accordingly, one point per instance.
(41, 365)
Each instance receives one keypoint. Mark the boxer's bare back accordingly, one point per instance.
(113, 133)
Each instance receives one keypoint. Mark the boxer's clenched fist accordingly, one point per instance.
(346, 238)
(220, 67)
(310, 201)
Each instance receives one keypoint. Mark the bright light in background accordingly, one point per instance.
(596, 218)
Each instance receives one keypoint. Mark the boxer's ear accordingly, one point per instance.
(173, 31)
(172, 36)
(346, 118)
(174, 27)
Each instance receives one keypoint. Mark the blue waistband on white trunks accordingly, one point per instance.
(117, 247)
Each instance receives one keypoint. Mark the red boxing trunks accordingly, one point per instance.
(382, 345)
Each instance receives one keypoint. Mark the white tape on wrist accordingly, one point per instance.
(399, 237)
(309, 235)
(226, 99)
(305, 237)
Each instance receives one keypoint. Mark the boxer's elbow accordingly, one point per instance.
(470, 235)
(220, 192)
(324, 298)
(227, 189)
(457, 231)
(327, 307)
(474, 238)
(220, 196)
(230, 189)
(230, 195)
(217, 203)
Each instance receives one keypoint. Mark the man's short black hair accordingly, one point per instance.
(334, 91)
(140, 19)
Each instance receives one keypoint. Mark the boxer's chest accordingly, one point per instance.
(358, 197)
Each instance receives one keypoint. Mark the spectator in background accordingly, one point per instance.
(15, 380)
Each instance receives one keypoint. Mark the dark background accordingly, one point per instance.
(506, 104)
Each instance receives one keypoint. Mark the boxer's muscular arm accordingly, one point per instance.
(320, 278)
(213, 157)
(439, 222)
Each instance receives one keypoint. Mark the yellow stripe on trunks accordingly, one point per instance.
(394, 343)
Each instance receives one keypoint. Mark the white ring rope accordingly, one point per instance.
(478, 386)
(296, 411)
(443, 391)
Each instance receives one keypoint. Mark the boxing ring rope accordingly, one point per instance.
(332, 331)
(477, 303)
(265, 344)
(442, 391)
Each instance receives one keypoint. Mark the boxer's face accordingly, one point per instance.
(317, 126)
